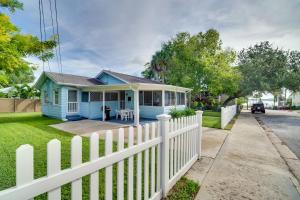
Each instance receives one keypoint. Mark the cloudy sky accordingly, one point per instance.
(121, 35)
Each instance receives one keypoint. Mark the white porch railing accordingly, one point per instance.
(174, 145)
(72, 107)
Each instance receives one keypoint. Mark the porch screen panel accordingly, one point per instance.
(148, 101)
(173, 99)
(180, 98)
(96, 96)
(84, 97)
(111, 96)
(72, 96)
(141, 98)
(170, 98)
(167, 98)
(157, 98)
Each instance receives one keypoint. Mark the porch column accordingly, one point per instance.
(163, 98)
(185, 99)
(103, 105)
(136, 108)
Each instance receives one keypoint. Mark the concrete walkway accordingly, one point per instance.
(248, 167)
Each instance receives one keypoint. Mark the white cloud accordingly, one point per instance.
(123, 35)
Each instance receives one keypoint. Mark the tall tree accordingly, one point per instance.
(265, 68)
(195, 61)
(15, 46)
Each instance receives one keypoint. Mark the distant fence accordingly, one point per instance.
(162, 154)
(19, 105)
(227, 113)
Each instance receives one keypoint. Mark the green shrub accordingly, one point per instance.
(189, 112)
(182, 113)
(176, 113)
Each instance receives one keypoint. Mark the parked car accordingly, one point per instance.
(258, 107)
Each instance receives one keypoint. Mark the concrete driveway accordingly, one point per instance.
(286, 125)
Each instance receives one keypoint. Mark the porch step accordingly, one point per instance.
(74, 117)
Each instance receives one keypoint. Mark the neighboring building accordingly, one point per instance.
(65, 96)
(295, 99)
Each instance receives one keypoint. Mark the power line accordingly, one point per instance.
(58, 38)
(53, 32)
(44, 27)
(41, 33)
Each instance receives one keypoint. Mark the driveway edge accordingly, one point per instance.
(285, 153)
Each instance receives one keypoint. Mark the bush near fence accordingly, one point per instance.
(19, 105)
(167, 151)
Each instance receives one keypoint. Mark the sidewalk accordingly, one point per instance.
(248, 167)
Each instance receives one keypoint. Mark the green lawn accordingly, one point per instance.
(184, 189)
(211, 119)
(32, 128)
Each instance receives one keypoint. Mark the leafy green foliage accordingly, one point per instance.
(265, 68)
(12, 5)
(197, 62)
(182, 113)
(24, 92)
(15, 46)
(184, 189)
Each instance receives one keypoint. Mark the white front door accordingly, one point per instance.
(72, 101)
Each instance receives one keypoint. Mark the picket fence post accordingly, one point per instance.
(164, 131)
(223, 110)
(199, 132)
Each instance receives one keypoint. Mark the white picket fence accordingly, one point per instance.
(227, 113)
(175, 144)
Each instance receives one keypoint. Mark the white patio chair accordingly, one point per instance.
(131, 114)
(117, 114)
(124, 115)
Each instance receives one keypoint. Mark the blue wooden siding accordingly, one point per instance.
(129, 94)
(92, 110)
(49, 109)
(150, 112)
(109, 80)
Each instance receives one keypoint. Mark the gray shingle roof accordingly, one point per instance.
(73, 79)
(131, 79)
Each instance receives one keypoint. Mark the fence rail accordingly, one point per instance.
(175, 144)
(227, 113)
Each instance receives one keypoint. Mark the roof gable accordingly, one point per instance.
(125, 78)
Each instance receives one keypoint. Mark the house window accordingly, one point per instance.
(148, 98)
(96, 96)
(55, 97)
(170, 99)
(180, 98)
(157, 98)
(85, 97)
(46, 98)
(111, 96)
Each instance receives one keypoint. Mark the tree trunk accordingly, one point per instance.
(228, 100)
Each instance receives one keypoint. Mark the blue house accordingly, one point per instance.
(65, 96)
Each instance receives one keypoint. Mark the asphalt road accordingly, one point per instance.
(286, 125)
